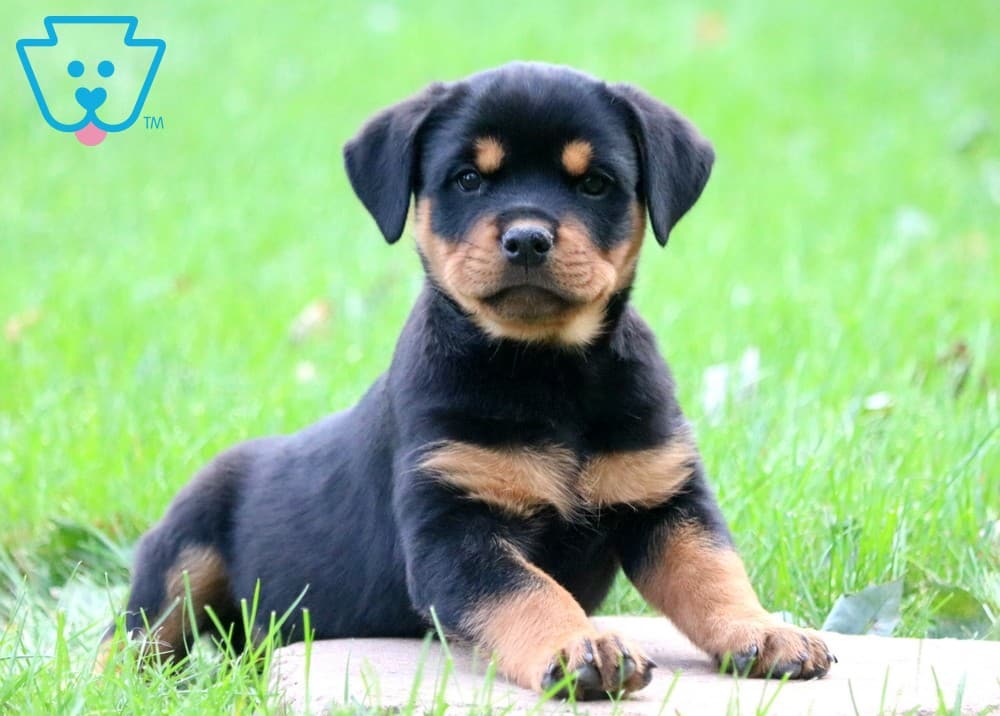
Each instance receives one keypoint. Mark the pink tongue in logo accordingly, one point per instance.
(91, 135)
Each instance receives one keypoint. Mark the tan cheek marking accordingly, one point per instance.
(489, 155)
(467, 269)
(519, 481)
(578, 266)
(703, 588)
(431, 247)
(625, 256)
(576, 157)
(641, 478)
(476, 266)
(526, 629)
(209, 585)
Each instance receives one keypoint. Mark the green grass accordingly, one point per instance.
(849, 233)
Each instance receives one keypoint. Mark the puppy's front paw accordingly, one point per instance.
(601, 663)
(771, 649)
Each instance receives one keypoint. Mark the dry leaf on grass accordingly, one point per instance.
(314, 316)
(16, 325)
(711, 29)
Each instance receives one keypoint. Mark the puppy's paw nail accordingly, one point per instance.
(626, 669)
(588, 682)
(646, 676)
(553, 675)
(791, 669)
(742, 663)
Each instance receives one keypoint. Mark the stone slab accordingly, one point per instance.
(875, 675)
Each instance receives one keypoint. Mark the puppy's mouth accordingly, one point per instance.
(529, 302)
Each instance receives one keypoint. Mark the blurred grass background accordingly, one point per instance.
(849, 237)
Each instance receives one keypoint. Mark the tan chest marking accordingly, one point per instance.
(522, 481)
(640, 478)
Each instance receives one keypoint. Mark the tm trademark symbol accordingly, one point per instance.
(153, 122)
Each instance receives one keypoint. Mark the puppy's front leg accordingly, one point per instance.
(680, 557)
(461, 561)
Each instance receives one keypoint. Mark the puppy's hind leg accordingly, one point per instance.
(184, 556)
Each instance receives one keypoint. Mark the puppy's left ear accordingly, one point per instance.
(676, 159)
(381, 160)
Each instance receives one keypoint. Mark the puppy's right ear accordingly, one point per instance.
(381, 160)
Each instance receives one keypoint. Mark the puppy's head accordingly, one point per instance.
(532, 184)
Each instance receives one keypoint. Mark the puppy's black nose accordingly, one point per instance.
(526, 245)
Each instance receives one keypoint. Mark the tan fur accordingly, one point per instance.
(105, 652)
(489, 155)
(520, 481)
(470, 271)
(209, 584)
(625, 256)
(523, 480)
(542, 624)
(576, 157)
(705, 591)
(640, 478)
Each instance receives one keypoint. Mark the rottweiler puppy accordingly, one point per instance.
(525, 443)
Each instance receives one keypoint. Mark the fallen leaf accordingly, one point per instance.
(874, 610)
(711, 29)
(880, 402)
(960, 615)
(314, 316)
(713, 395)
(182, 283)
(17, 324)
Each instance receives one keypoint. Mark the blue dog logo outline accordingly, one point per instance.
(90, 130)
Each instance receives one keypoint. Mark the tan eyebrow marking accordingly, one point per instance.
(489, 154)
(576, 157)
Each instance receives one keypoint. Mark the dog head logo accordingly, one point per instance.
(90, 76)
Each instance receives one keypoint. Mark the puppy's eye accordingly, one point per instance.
(469, 180)
(594, 184)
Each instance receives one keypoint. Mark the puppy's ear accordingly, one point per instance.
(381, 160)
(676, 159)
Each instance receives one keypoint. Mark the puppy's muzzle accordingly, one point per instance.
(526, 245)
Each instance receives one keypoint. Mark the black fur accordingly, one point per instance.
(340, 511)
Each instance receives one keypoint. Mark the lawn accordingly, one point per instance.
(830, 309)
